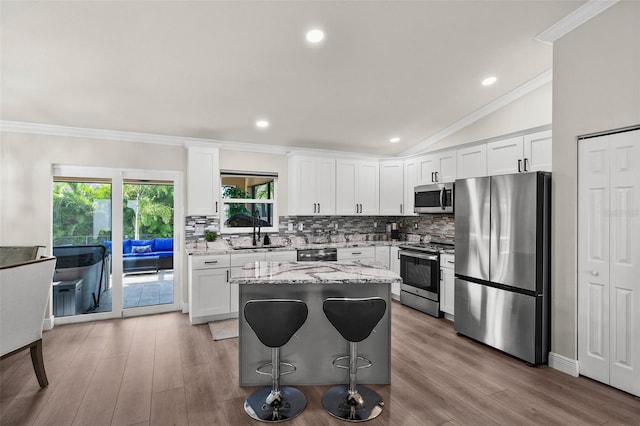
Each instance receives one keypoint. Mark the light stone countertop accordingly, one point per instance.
(315, 273)
(221, 247)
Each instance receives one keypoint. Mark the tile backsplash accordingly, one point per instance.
(431, 227)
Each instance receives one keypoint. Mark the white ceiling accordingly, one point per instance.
(210, 69)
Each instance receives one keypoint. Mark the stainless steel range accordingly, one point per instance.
(420, 272)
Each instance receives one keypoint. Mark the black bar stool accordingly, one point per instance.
(354, 319)
(275, 321)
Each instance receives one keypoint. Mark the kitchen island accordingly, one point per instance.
(317, 343)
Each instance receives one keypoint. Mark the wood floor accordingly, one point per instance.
(160, 370)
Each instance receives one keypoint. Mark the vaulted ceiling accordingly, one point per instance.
(210, 69)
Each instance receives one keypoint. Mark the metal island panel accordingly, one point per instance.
(317, 343)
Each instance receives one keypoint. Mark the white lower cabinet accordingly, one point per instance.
(358, 254)
(382, 255)
(394, 265)
(281, 256)
(447, 285)
(237, 263)
(209, 295)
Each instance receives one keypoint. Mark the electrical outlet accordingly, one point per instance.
(336, 226)
(290, 227)
(375, 224)
(199, 229)
(415, 226)
(301, 226)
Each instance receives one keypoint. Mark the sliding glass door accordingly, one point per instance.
(115, 234)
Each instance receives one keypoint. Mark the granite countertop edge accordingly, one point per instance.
(319, 273)
(260, 249)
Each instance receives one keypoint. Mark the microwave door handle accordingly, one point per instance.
(442, 198)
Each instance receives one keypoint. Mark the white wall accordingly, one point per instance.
(596, 87)
(25, 184)
(529, 111)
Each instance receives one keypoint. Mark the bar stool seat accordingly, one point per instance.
(355, 319)
(275, 321)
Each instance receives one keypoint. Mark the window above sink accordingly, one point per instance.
(248, 202)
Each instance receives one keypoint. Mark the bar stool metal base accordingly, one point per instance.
(336, 402)
(292, 403)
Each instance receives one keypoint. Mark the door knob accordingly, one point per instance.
(595, 273)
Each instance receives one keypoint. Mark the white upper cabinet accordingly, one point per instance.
(537, 151)
(203, 181)
(520, 154)
(472, 162)
(391, 188)
(410, 182)
(437, 168)
(358, 183)
(312, 186)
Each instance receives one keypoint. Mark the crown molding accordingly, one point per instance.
(115, 135)
(486, 110)
(574, 20)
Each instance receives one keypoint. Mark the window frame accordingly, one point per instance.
(273, 202)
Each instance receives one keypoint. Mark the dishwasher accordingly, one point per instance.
(316, 255)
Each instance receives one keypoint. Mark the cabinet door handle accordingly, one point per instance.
(210, 262)
(314, 207)
(519, 166)
(227, 275)
(216, 207)
(357, 208)
(437, 179)
(318, 207)
(525, 165)
(398, 255)
(432, 177)
(400, 208)
(440, 275)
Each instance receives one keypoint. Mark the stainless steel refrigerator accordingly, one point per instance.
(502, 269)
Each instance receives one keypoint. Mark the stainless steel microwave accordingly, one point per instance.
(436, 198)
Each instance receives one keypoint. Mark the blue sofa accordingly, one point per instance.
(146, 255)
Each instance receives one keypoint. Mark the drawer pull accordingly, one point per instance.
(210, 262)
(356, 252)
(450, 261)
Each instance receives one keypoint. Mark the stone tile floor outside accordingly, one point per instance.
(142, 289)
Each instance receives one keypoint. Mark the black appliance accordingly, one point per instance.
(315, 255)
(420, 272)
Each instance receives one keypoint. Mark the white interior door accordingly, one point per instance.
(608, 260)
(593, 259)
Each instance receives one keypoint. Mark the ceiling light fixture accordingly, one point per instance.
(262, 124)
(489, 81)
(315, 36)
(394, 140)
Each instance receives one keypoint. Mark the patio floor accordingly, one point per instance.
(142, 289)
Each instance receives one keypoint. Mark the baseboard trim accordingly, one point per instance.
(562, 363)
(47, 324)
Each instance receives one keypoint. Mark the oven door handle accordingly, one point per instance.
(419, 255)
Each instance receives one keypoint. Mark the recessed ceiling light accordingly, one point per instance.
(489, 81)
(394, 140)
(262, 124)
(315, 36)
